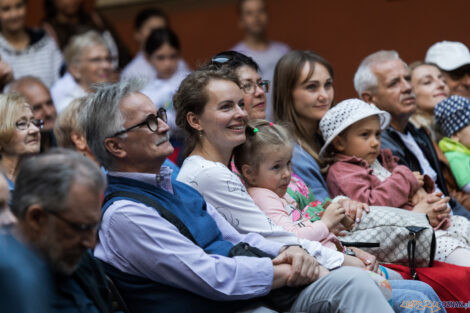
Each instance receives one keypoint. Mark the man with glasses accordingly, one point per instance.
(166, 249)
(453, 58)
(57, 201)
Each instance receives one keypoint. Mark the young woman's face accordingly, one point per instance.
(224, 118)
(27, 140)
(429, 87)
(313, 98)
(255, 103)
(165, 61)
(274, 172)
(12, 15)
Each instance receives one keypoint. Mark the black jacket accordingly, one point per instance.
(391, 140)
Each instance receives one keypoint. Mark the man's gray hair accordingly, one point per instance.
(46, 180)
(365, 79)
(101, 117)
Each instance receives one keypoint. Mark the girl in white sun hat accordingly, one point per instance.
(364, 172)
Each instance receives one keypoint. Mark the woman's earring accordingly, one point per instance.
(200, 134)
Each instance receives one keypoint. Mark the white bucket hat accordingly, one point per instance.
(448, 55)
(346, 113)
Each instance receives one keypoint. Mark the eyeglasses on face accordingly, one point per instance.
(250, 88)
(151, 121)
(79, 227)
(24, 124)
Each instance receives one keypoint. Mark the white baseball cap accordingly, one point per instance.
(448, 55)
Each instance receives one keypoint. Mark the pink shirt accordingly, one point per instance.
(283, 211)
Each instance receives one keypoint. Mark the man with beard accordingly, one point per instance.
(57, 201)
(39, 98)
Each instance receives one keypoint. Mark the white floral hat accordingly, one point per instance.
(346, 113)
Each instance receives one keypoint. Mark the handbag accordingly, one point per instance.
(395, 236)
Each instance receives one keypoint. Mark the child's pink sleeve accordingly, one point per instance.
(275, 208)
(358, 183)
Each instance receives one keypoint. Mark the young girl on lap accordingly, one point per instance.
(364, 172)
(264, 162)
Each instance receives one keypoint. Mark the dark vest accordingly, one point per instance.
(146, 296)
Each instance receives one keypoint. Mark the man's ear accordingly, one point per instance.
(115, 146)
(194, 121)
(35, 219)
(338, 143)
(367, 96)
(248, 173)
(79, 141)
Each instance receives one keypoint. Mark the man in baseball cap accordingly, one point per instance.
(453, 58)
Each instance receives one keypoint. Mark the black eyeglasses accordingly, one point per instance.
(24, 124)
(151, 121)
(250, 88)
(79, 227)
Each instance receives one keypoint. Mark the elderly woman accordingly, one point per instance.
(89, 62)
(28, 51)
(19, 134)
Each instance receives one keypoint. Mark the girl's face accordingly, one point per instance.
(429, 87)
(255, 103)
(362, 139)
(274, 172)
(12, 15)
(165, 61)
(25, 140)
(313, 98)
(224, 118)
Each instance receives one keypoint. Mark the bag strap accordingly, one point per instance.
(165, 213)
(412, 251)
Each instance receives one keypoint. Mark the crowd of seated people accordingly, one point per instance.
(98, 213)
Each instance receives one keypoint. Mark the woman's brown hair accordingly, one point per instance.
(286, 76)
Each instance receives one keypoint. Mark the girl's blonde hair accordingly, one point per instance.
(259, 135)
(11, 105)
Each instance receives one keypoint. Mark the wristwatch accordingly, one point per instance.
(348, 251)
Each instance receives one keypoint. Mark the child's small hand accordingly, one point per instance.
(419, 196)
(419, 178)
(333, 215)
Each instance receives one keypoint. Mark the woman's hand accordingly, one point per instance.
(354, 208)
(435, 207)
(333, 215)
(369, 260)
(420, 195)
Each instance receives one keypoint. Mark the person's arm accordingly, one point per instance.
(229, 233)
(305, 166)
(135, 239)
(274, 208)
(225, 192)
(357, 183)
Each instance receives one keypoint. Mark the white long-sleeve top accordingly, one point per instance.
(226, 193)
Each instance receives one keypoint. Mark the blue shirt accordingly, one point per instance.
(136, 240)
